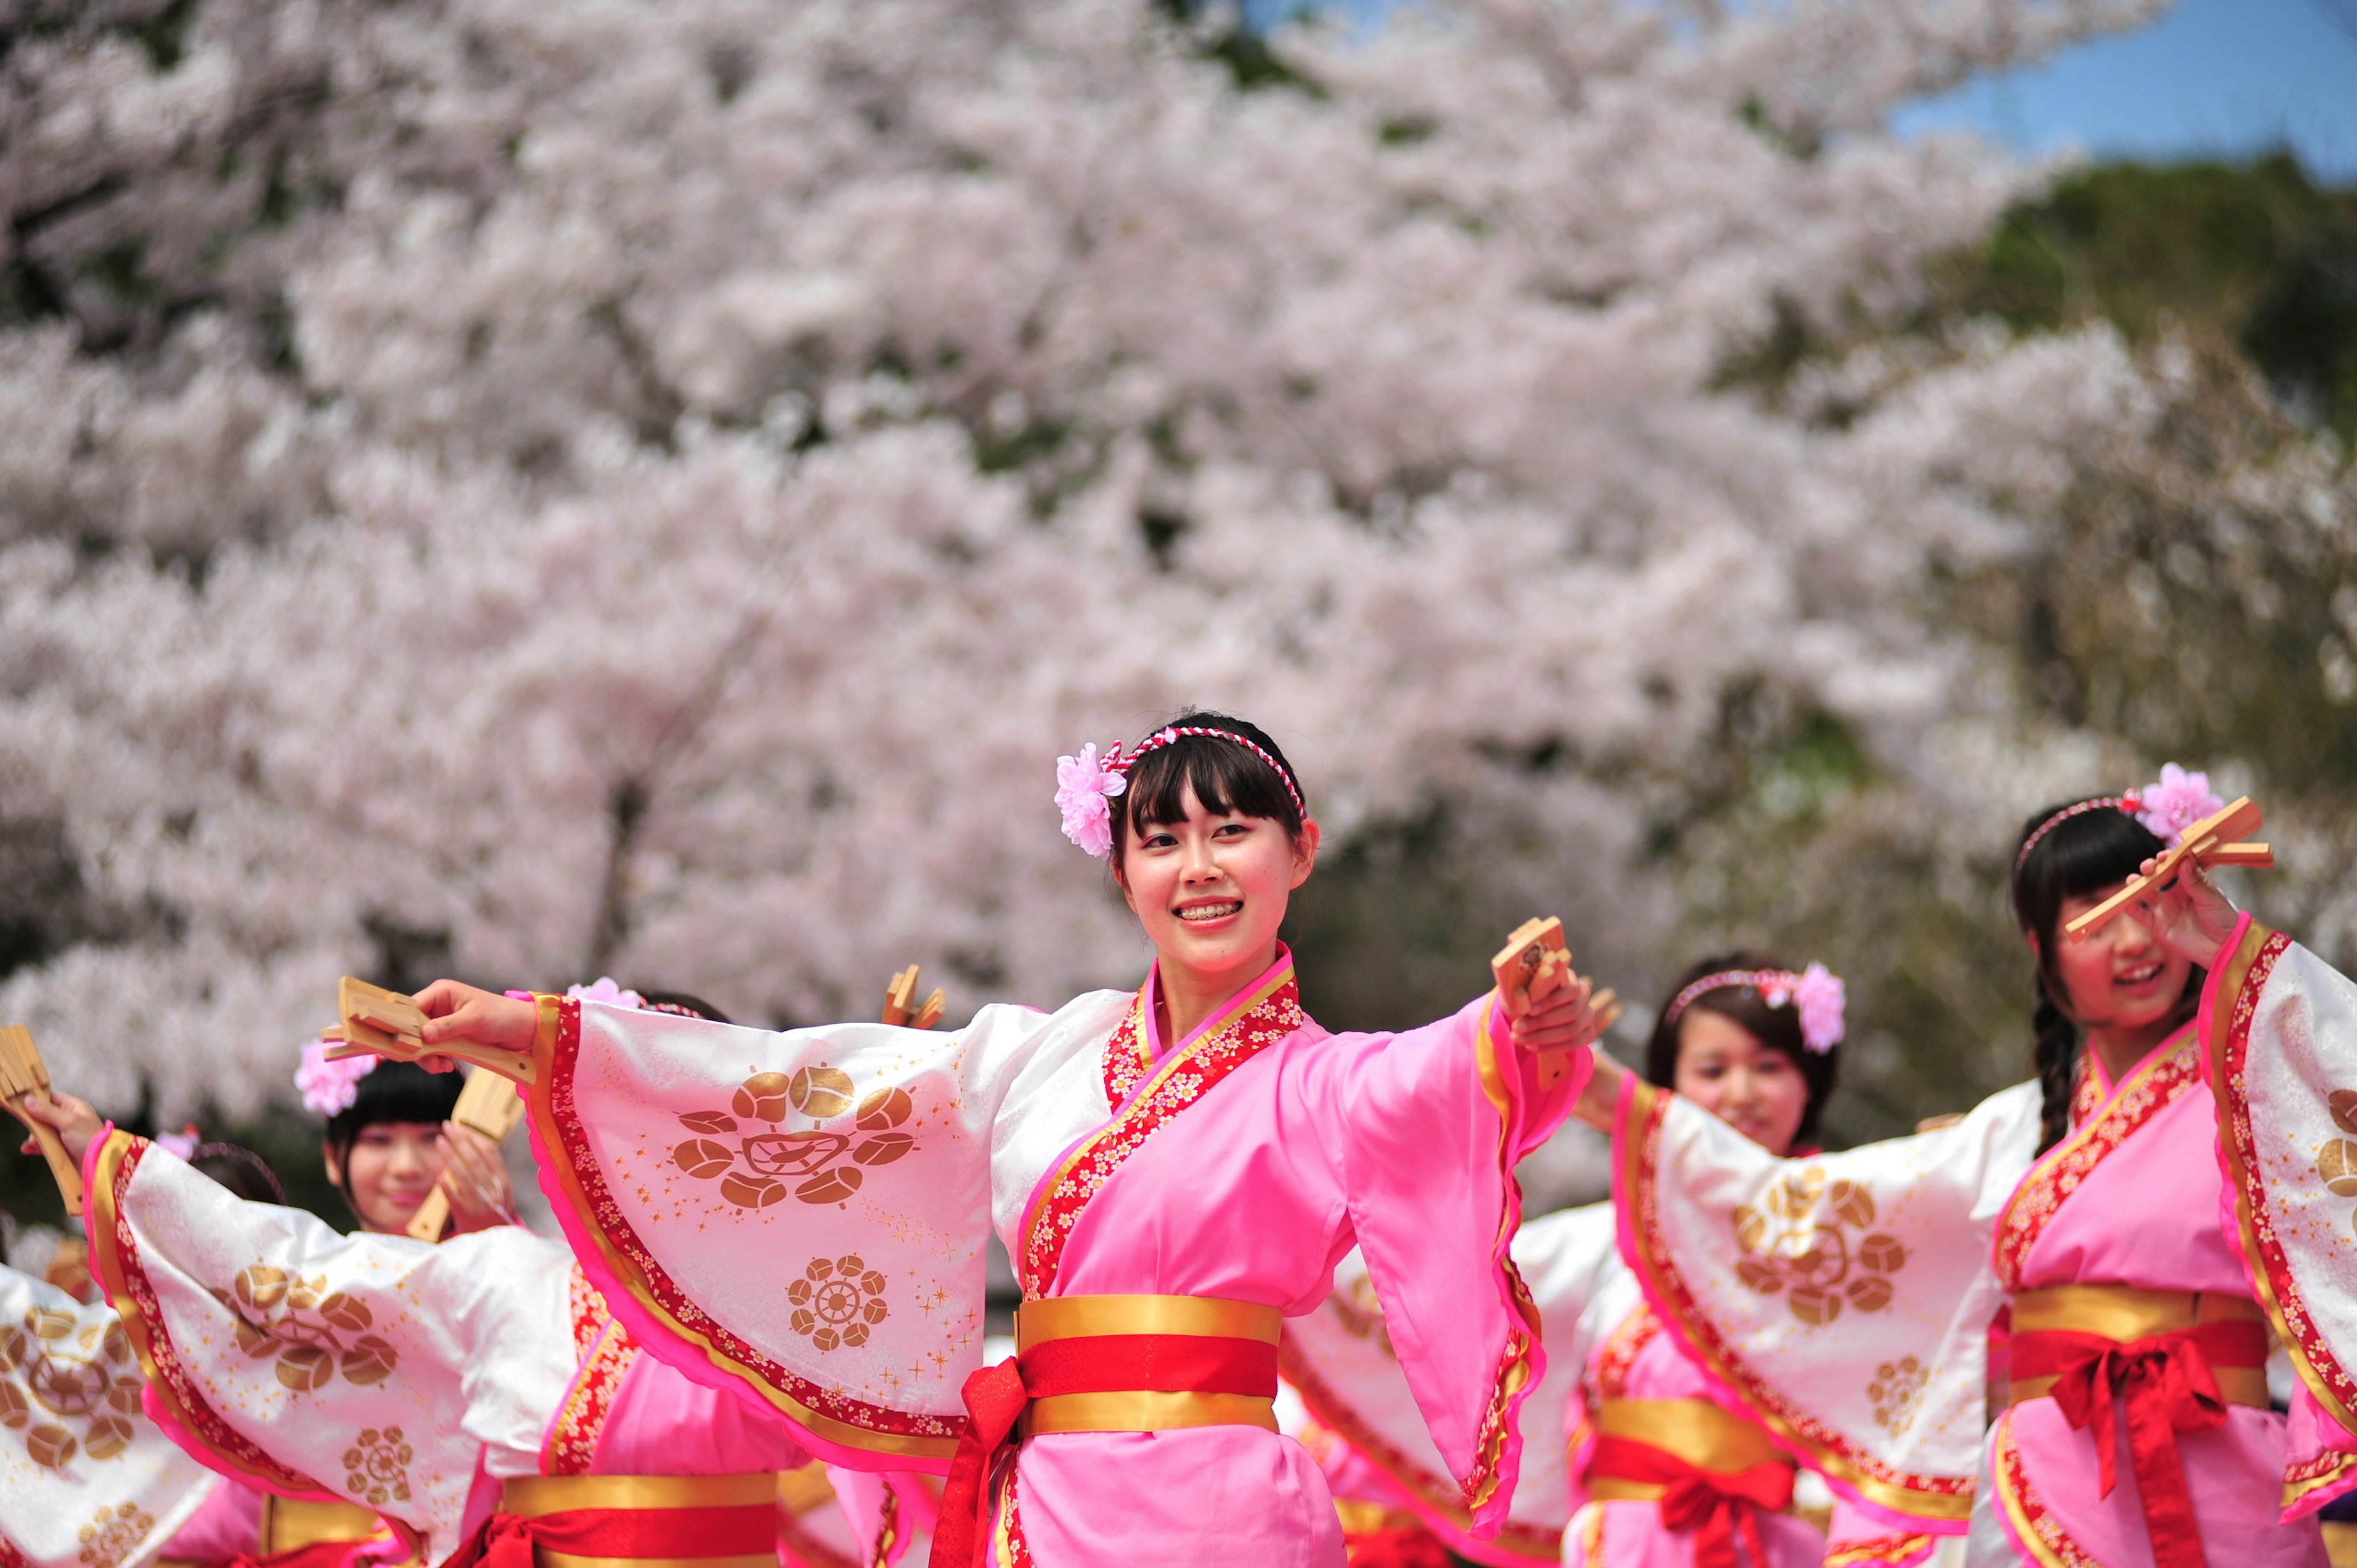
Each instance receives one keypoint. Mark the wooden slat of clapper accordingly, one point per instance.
(22, 1071)
(490, 1105)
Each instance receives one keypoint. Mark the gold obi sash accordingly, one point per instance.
(1702, 1434)
(1127, 1340)
(2127, 1314)
(716, 1521)
(289, 1524)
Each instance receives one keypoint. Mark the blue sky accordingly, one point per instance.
(2215, 78)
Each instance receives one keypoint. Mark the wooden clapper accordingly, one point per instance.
(1533, 965)
(21, 1072)
(492, 1106)
(2212, 840)
(900, 997)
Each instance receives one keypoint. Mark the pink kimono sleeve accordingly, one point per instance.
(2279, 1044)
(1431, 1124)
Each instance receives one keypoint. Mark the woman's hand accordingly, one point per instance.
(475, 1180)
(1562, 1020)
(77, 1124)
(2189, 917)
(468, 1012)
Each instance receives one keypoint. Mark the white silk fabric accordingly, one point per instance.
(832, 1187)
(367, 1368)
(86, 1480)
(1844, 1298)
(2280, 1030)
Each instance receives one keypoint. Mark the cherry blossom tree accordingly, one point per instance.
(650, 488)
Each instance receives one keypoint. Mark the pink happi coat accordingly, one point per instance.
(408, 1377)
(1848, 1299)
(802, 1215)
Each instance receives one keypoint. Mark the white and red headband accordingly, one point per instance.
(1817, 994)
(2169, 807)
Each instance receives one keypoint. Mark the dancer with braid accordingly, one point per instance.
(1848, 1300)
(1175, 1170)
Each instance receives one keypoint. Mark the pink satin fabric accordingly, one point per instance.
(2148, 1216)
(663, 1424)
(226, 1524)
(1318, 1143)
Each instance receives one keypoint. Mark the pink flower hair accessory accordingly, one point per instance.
(2174, 804)
(1085, 788)
(602, 989)
(1816, 993)
(328, 1088)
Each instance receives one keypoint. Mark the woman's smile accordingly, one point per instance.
(1200, 912)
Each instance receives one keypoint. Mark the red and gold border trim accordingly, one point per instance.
(2238, 983)
(2032, 1525)
(571, 1444)
(1882, 1552)
(1263, 1016)
(1637, 1151)
(833, 1417)
(1435, 1495)
(2172, 1069)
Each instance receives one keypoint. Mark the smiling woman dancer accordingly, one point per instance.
(1848, 1300)
(1174, 1170)
(1659, 1475)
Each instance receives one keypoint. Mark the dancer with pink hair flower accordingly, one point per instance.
(2090, 1268)
(801, 1215)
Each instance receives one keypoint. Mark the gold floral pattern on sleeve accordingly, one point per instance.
(113, 1532)
(754, 1172)
(1800, 1242)
(376, 1466)
(1896, 1392)
(72, 1389)
(2336, 1159)
(310, 1329)
(836, 1300)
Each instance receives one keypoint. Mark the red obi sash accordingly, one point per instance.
(655, 1522)
(1105, 1363)
(1711, 1471)
(2174, 1359)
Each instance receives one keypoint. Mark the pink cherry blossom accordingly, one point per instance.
(183, 1143)
(1084, 788)
(2176, 802)
(1823, 1000)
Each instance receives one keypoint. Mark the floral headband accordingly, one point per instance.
(1086, 784)
(1816, 993)
(2175, 803)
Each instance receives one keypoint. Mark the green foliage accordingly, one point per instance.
(2256, 253)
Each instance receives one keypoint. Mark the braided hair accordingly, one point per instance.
(2075, 856)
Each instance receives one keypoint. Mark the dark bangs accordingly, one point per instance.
(2081, 855)
(1226, 777)
(394, 1091)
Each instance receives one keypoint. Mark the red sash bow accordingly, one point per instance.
(318, 1554)
(995, 1398)
(506, 1541)
(2166, 1385)
(1718, 1506)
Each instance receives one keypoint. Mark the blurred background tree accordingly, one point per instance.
(531, 490)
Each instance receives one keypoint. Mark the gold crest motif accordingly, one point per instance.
(310, 1329)
(1799, 1242)
(837, 1300)
(1896, 1392)
(2336, 1161)
(70, 1389)
(767, 1164)
(376, 1466)
(113, 1533)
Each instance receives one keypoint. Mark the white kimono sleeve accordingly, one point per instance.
(86, 1480)
(802, 1215)
(1843, 1299)
(2279, 1044)
(370, 1370)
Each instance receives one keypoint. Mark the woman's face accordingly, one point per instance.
(1212, 890)
(1754, 1089)
(2120, 978)
(392, 1166)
